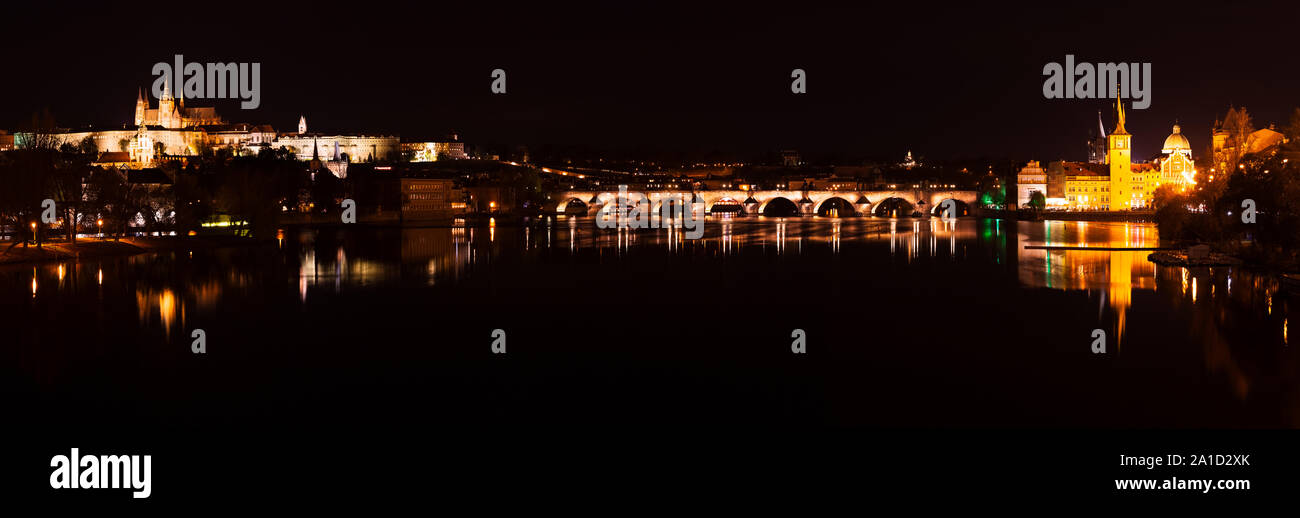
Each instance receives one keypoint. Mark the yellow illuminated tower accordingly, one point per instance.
(1119, 155)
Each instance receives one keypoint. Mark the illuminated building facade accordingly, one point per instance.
(1176, 166)
(1087, 192)
(1029, 180)
(1262, 141)
(452, 148)
(432, 151)
(420, 151)
(430, 198)
(350, 148)
(171, 112)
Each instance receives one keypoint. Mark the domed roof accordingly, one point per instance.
(1176, 143)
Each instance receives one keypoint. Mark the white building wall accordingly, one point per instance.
(359, 148)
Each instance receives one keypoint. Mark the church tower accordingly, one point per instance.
(302, 124)
(140, 107)
(1119, 154)
(166, 106)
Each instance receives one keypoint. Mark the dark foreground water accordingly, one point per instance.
(907, 322)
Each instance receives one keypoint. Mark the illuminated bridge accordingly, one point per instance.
(839, 203)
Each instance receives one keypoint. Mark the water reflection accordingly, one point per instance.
(1115, 274)
(1231, 323)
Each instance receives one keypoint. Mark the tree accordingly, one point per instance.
(64, 181)
(43, 168)
(1292, 130)
(1037, 201)
(88, 146)
(123, 144)
(159, 149)
(1237, 124)
(203, 148)
(246, 190)
(40, 133)
(22, 190)
(108, 198)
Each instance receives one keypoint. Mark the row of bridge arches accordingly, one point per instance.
(784, 207)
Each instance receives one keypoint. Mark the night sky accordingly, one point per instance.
(943, 81)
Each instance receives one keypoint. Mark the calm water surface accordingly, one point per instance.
(909, 322)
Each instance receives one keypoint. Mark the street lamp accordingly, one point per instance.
(100, 222)
(38, 242)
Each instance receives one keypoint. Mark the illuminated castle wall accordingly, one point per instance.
(181, 131)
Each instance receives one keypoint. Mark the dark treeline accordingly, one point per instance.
(1246, 200)
(178, 195)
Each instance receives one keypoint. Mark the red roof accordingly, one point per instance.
(114, 157)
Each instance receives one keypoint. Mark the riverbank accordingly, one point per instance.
(62, 251)
(91, 248)
(1070, 215)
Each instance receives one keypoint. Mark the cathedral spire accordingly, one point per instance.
(1101, 127)
(167, 92)
(1119, 109)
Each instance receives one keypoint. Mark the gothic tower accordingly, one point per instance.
(140, 106)
(302, 124)
(167, 106)
(1097, 143)
(1119, 155)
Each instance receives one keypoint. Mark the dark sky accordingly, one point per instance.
(945, 81)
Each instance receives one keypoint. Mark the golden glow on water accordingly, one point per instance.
(835, 236)
(167, 309)
(1116, 273)
(166, 303)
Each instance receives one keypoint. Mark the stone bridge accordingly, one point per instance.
(808, 203)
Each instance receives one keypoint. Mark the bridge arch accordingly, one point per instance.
(726, 205)
(779, 206)
(894, 207)
(754, 202)
(664, 206)
(836, 205)
(572, 206)
(962, 208)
